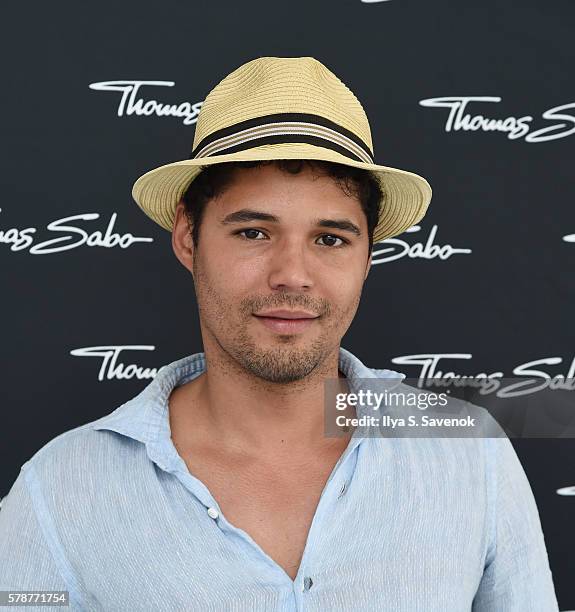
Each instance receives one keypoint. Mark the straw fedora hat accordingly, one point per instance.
(283, 108)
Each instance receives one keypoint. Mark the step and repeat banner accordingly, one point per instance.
(476, 97)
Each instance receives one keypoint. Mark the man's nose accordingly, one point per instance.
(290, 267)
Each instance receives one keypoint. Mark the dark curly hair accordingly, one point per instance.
(214, 179)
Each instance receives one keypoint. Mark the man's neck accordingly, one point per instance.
(233, 411)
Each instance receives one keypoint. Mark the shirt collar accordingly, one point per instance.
(145, 416)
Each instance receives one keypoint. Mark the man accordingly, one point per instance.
(216, 487)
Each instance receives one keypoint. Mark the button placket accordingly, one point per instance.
(346, 467)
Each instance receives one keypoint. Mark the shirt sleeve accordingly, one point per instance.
(517, 576)
(26, 561)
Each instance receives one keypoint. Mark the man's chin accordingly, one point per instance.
(280, 364)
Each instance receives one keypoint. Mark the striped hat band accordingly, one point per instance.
(282, 128)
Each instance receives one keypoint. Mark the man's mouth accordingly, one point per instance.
(286, 321)
(287, 314)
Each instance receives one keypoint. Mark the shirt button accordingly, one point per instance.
(307, 583)
(213, 513)
(342, 490)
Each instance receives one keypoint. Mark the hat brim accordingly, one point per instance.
(406, 195)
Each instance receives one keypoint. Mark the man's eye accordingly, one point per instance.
(331, 237)
(250, 237)
(251, 233)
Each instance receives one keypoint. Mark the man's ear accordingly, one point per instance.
(368, 266)
(182, 243)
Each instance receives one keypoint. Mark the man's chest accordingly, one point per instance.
(400, 531)
(274, 507)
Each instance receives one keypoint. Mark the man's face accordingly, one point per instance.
(245, 267)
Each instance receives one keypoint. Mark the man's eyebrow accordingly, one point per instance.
(345, 225)
(247, 214)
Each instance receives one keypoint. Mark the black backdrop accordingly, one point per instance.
(80, 125)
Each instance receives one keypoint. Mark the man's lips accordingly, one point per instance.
(286, 325)
(287, 314)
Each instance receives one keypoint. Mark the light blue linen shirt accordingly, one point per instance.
(109, 512)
